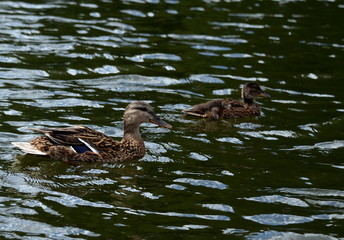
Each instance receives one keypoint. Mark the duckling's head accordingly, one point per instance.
(140, 112)
(251, 91)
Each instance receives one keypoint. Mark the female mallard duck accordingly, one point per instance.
(85, 144)
(230, 108)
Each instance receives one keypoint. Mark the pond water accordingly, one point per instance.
(277, 176)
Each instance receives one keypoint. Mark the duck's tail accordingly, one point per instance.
(28, 148)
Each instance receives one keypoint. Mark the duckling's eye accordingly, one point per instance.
(142, 109)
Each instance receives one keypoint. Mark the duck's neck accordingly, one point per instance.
(249, 101)
(131, 131)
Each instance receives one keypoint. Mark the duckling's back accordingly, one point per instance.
(224, 108)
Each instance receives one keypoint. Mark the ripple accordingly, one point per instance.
(129, 83)
(237, 55)
(16, 73)
(125, 26)
(328, 203)
(311, 127)
(278, 219)
(73, 201)
(269, 135)
(279, 199)
(211, 48)
(96, 171)
(246, 79)
(96, 182)
(176, 187)
(329, 216)
(205, 140)
(37, 204)
(288, 235)
(227, 173)
(135, 13)
(202, 182)
(20, 210)
(30, 5)
(5, 59)
(178, 172)
(106, 69)
(89, 5)
(222, 92)
(155, 148)
(284, 101)
(319, 95)
(35, 228)
(76, 118)
(230, 140)
(331, 145)
(25, 93)
(248, 126)
(155, 56)
(234, 231)
(152, 158)
(198, 156)
(13, 113)
(219, 207)
(67, 102)
(188, 215)
(313, 192)
(150, 195)
(205, 78)
(229, 39)
(185, 227)
(239, 25)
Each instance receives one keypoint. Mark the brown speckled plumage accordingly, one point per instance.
(88, 145)
(230, 108)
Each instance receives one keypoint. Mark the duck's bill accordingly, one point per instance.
(263, 94)
(161, 123)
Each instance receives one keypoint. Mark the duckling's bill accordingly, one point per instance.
(264, 94)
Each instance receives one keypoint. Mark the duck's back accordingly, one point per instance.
(87, 145)
(224, 108)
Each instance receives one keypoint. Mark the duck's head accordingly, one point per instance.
(251, 91)
(140, 112)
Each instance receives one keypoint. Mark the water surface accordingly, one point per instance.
(277, 176)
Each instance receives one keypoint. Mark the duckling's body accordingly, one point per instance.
(85, 144)
(231, 108)
(224, 108)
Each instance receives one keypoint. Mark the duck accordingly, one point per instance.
(84, 144)
(231, 108)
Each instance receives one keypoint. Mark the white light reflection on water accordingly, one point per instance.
(267, 235)
(275, 219)
(279, 199)
(202, 182)
(335, 144)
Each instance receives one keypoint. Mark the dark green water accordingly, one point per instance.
(278, 176)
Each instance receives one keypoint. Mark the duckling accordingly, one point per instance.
(80, 143)
(230, 108)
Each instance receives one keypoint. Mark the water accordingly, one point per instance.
(278, 176)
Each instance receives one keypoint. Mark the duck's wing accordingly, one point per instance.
(211, 109)
(238, 109)
(232, 103)
(80, 138)
(202, 108)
